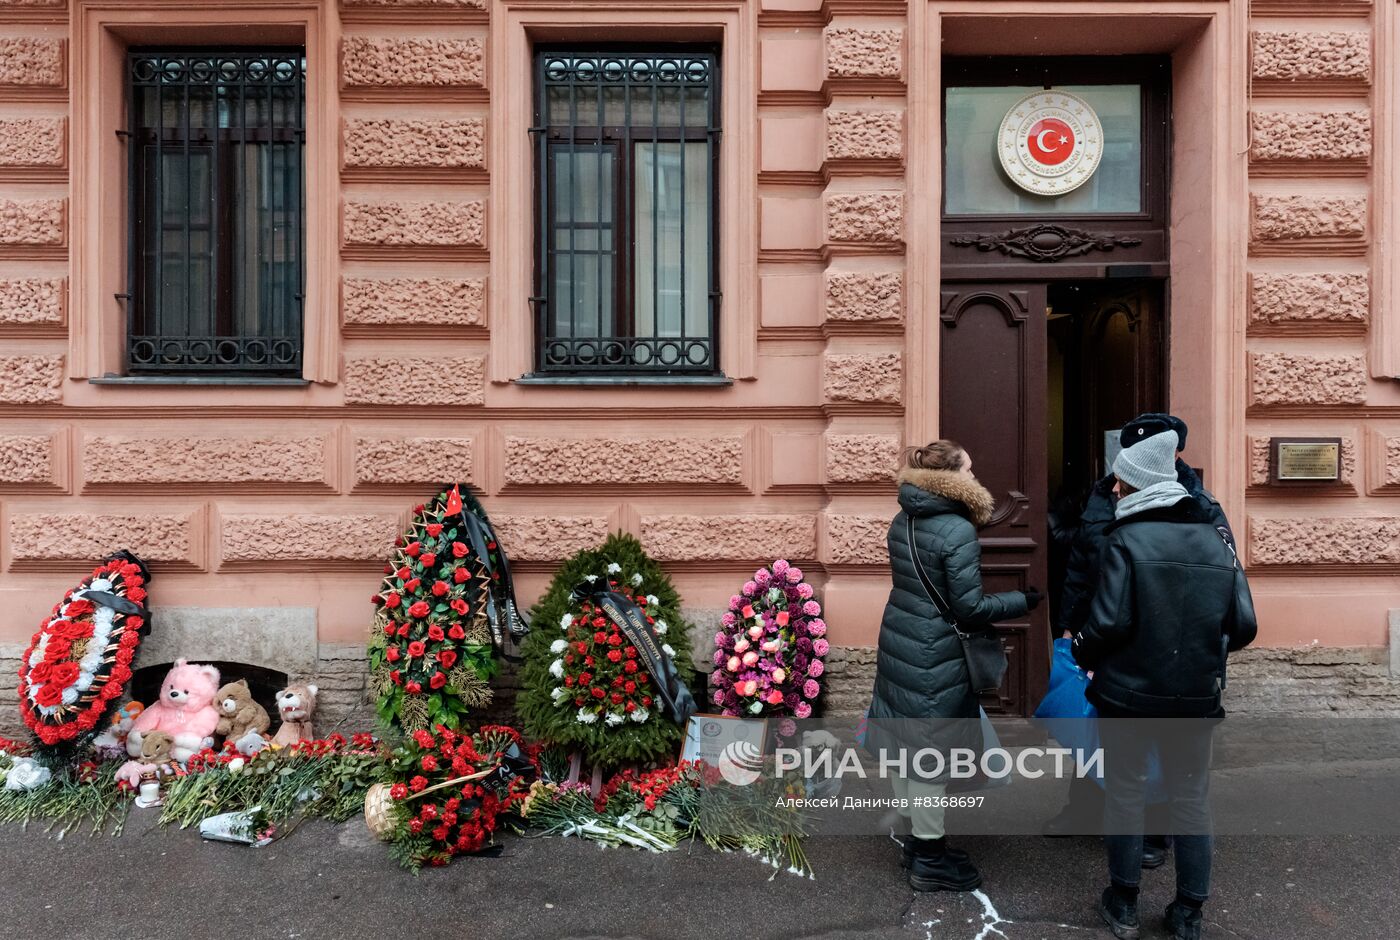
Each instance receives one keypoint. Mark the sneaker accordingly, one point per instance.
(1120, 915)
(1183, 923)
(1154, 855)
(945, 871)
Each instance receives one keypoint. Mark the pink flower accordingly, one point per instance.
(735, 602)
(816, 627)
(719, 657)
(747, 612)
(810, 688)
(747, 688)
(718, 696)
(741, 644)
(780, 567)
(775, 697)
(779, 675)
(762, 577)
(755, 631)
(771, 646)
(750, 658)
(733, 664)
(750, 588)
(720, 637)
(816, 668)
(804, 591)
(782, 618)
(794, 575)
(812, 609)
(802, 710)
(728, 620)
(820, 647)
(787, 727)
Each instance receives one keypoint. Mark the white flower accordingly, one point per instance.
(566, 620)
(103, 616)
(614, 719)
(636, 580)
(652, 600)
(84, 681)
(100, 584)
(614, 568)
(756, 707)
(26, 774)
(70, 695)
(591, 578)
(586, 717)
(666, 648)
(556, 669)
(660, 627)
(235, 765)
(558, 646)
(557, 694)
(639, 715)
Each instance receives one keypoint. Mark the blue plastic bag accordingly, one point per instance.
(1068, 715)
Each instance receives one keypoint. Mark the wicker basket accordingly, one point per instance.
(379, 804)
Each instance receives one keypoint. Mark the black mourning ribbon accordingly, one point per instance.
(502, 614)
(630, 620)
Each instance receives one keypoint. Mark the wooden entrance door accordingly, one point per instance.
(992, 401)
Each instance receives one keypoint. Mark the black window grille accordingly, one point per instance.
(626, 164)
(216, 208)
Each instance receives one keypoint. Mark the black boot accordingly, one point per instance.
(1120, 914)
(1154, 851)
(1183, 922)
(907, 855)
(933, 868)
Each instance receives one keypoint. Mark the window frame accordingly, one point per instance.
(224, 226)
(546, 141)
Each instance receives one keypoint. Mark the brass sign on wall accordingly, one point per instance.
(1305, 459)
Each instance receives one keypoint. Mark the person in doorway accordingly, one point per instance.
(922, 697)
(1170, 603)
(1083, 812)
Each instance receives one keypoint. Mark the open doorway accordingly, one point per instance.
(1105, 364)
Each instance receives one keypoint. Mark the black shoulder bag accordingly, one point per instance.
(986, 657)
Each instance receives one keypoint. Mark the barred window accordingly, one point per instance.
(216, 209)
(626, 151)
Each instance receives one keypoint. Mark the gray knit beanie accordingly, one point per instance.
(1147, 461)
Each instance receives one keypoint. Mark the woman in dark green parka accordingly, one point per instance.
(922, 697)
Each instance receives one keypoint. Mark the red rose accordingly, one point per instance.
(585, 677)
(40, 673)
(617, 682)
(617, 698)
(630, 666)
(428, 559)
(615, 640)
(446, 658)
(392, 600)
(58, 649)
(630, 687)
(435, 633)
(78, 608)
(70, 630)
(412, 585)
(415, 649)
(456, 632)
(440, 588)
(569, 681)
(404, 573)
(435, 529)
(413, 688)
(597, 692)
(646, 701)
(460, 606)
(419, 609)
(392, 653)
(49, 695)
(403, 629)
(631, 652)
(460, 575)
(429, 764)
(615, 655)
(395, 678)
(459, 550)
(412, 549)
(581, 647)
(438, 680)
(390, 627)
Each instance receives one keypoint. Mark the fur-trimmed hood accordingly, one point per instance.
(930, 492)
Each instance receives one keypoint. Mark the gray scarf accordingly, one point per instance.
(1157, 496)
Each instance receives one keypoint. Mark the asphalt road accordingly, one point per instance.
(336, 882)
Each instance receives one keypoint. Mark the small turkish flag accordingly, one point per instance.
(454, 501)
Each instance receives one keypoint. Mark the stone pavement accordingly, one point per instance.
(336, 882)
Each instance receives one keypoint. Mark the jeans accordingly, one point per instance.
(1184, 747)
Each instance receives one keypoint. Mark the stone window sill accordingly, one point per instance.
(209, 380)
(613, 381)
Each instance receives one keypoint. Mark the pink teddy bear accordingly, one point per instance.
(185, 711)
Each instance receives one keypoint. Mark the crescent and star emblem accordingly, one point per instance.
(1050, 142)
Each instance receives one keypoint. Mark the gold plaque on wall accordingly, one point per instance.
(1306, 459)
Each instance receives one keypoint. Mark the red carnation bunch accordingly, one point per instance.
(451, 790)
(79, 662)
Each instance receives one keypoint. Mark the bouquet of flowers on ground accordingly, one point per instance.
(450, 791)
(771, 647)
(430, 649)
(79, 662)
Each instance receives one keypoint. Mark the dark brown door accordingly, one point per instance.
(992, 401)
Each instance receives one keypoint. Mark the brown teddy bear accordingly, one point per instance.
(295, 704)
(155, 749)
(238, 713)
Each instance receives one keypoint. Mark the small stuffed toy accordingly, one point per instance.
(238, 713)
(111, 744)
(295, 704)
(153, 761)
(185, 711)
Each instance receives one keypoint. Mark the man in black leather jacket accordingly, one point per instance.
(1083, 811)
(1170, 602)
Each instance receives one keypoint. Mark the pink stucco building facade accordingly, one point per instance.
(835, 281)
